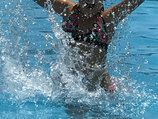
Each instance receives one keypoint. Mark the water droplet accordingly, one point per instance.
(3, 58)
(65, 14)
(129, 4)
(145, 61)
(6, 6)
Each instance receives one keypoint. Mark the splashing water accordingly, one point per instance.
(24, 78)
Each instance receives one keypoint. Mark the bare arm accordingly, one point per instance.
(121, 10)
(59, 6)
(115, 14)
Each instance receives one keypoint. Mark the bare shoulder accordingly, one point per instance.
(109, 23)
(63, 7)
(68, 10)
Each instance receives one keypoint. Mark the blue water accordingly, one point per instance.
(31, 56)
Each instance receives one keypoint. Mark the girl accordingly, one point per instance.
(92, 28)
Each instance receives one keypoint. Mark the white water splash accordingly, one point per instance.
(23, 83)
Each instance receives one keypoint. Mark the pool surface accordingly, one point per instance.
(32, 56)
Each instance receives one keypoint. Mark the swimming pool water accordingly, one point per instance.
(26, 57)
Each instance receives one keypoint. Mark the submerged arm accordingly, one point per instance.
(59, 6)
(118, 12)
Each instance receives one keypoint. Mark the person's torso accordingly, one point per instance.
(95, 33)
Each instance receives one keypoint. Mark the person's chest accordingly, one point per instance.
(86, 24)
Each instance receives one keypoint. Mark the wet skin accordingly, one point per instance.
(86, 18)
